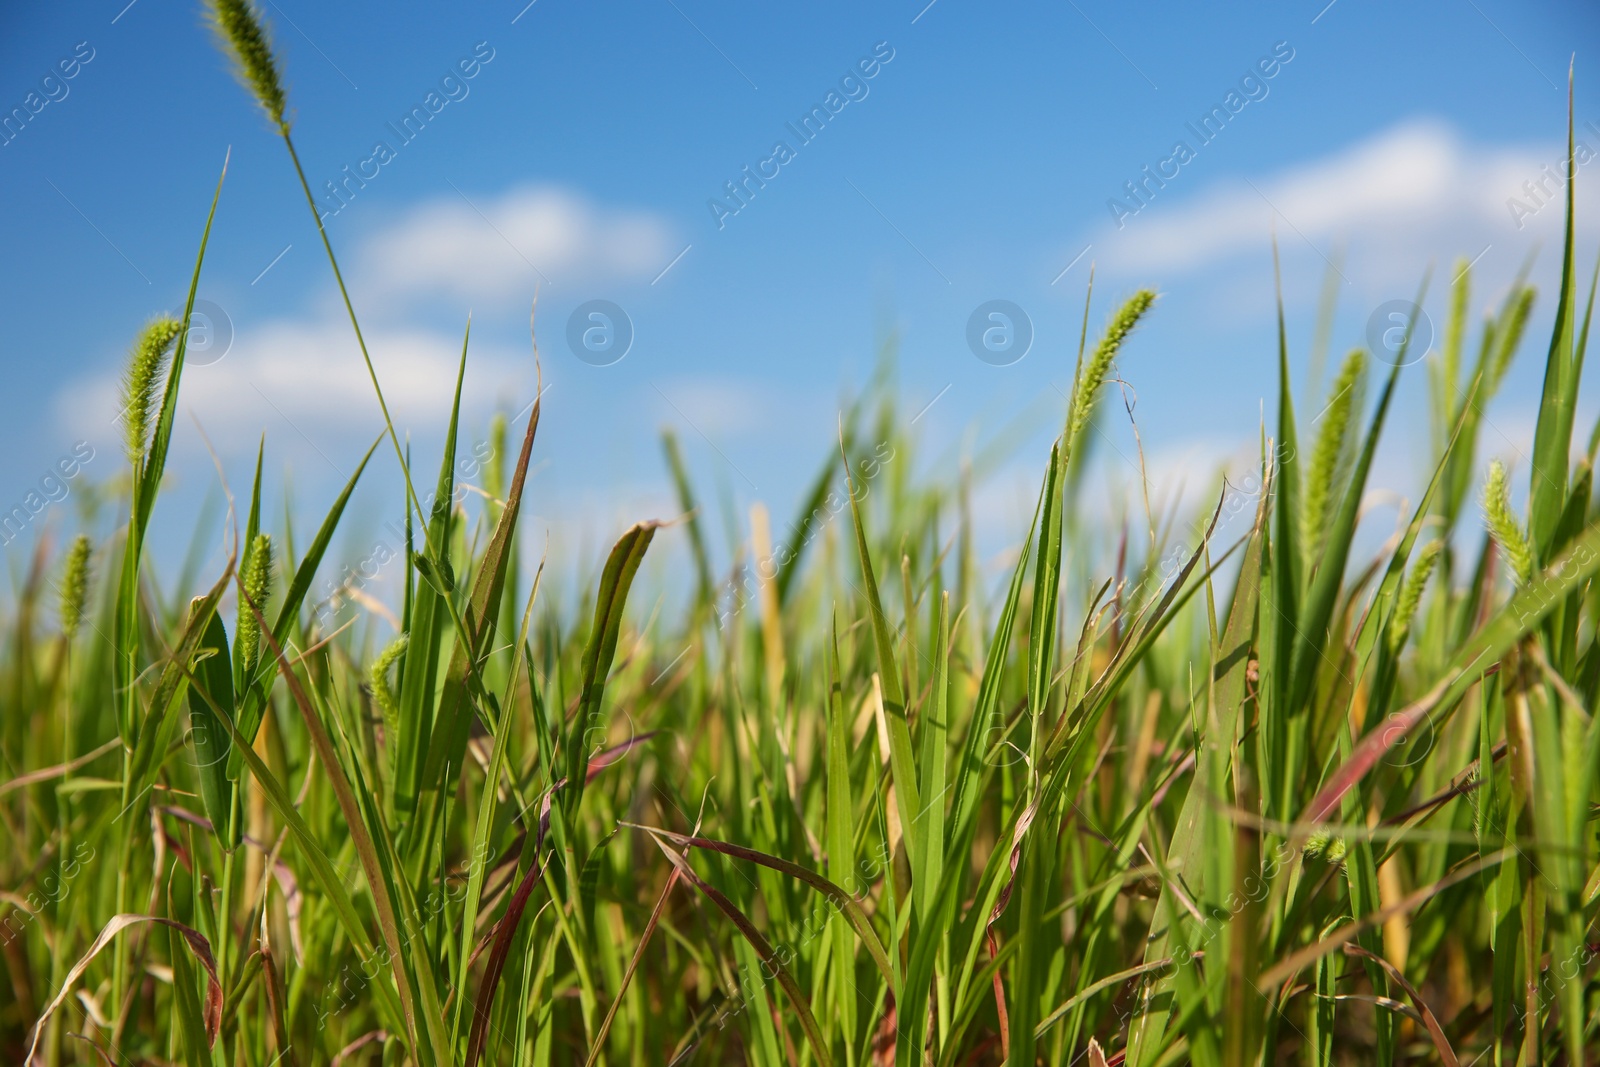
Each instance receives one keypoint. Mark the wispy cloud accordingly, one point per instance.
(1401, 197)
(306, 379)
(481, 249)
(303, 367)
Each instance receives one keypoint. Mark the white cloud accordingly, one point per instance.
(1401, 196)
(498, 249)
(318, 369)
(305, 369)
(311, 375)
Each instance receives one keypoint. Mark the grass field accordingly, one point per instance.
(1249, 796)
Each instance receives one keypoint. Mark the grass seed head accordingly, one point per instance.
(239, 26)
(257, 582)
(1094, 373)
(1323, 845)
(139, 383)
(1411, 594)
(1330, 447)
(74, 585)
(378, 678)
(1502, 522)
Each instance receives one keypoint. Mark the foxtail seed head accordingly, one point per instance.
(257, 581)
(1322, 844)
(139, 383)
(74, 586)
(239, 26)
(1332, 435)
(378, 679)
(1502, 523)
(1411, 594)
(1094, 373)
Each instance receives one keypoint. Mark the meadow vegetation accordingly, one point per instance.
(1252, 795)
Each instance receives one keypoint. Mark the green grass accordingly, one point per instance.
(1251, 797)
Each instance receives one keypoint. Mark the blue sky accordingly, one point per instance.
(587, 151)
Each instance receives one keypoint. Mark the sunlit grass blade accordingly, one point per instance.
(588, 732)
(1195, 826)
(1509, 625)
(253, 698)
(210, 741)
(428, 622)
(697, 544)
(463, 678)
(1552, 435)
(159, 724)
(435, 1050)
(901, 761)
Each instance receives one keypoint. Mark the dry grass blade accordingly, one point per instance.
(275, 1007)
(453, 725)
(378, 1036)
(198, 945)
(371, 865)
(500, 947)
(49, 774)
(847, 904)
(105, 1057)
(633, 967)
(1447, 1055)
(769, 958)
(1337, 939)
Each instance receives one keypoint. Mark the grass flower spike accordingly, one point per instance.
(241, 29)
(1333, 435)
(140, 383)
(1093, 376)
(1411, 594)
(257, 582)
(378, 679)
(1502, 523)
(74, 585)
